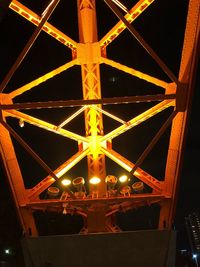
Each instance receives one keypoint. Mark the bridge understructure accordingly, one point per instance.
(98, 203)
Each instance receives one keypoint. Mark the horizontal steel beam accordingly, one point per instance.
(103, 101)
(103, 200)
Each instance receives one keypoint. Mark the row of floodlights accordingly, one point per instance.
(110, 180)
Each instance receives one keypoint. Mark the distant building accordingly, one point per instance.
(193, 230)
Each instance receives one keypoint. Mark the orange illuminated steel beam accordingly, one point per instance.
(93, 145)
(168, 86)
(138, 119)
(44, 17)
(16, 182)
(48, 28)
(46, 125)
(139, 173)
(42, 79)
(91, 86)
(61, 170)
(142, 42)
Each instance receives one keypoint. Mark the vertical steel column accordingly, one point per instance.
(91, 86)
(183, 102)
(16, 183)
(88, 52)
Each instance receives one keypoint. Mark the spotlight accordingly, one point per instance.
(21, 123)
(7, 251)
(111, 181)
(125, 190)
(66, 182)
(123, 179)
(95, 180)
(138, 187)
(53, 191)
(78, 183)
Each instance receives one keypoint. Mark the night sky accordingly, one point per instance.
(47, 54)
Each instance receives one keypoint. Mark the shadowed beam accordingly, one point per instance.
(137, 120)
(48, 28)
(33, 154)
(139, 38)
(45, 15)
(134, 13)
(153, 142)
(73, 103)
(106, 200)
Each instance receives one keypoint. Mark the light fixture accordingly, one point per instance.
(123, 178)
(7, 251)
(138, 187)
(111, 181)
(53, 191)
(78, 183)
(21, 123)
(66, 182)
(95, 180)
(125, 190)
(194, 256)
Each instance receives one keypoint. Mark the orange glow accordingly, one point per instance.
(42, 79)
(94, 146)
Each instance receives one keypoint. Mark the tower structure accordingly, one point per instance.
(192, 222)
(100, 203)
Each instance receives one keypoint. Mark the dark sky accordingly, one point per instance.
(165, 37)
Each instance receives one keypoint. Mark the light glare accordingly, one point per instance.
(123, 179)
(95, 180)
(66, 182)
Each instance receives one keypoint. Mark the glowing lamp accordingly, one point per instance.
(66, 182)
(21, 123)
(95, 180)
(123, 179)
(7, 251)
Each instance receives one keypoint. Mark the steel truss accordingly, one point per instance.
(89, 53)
